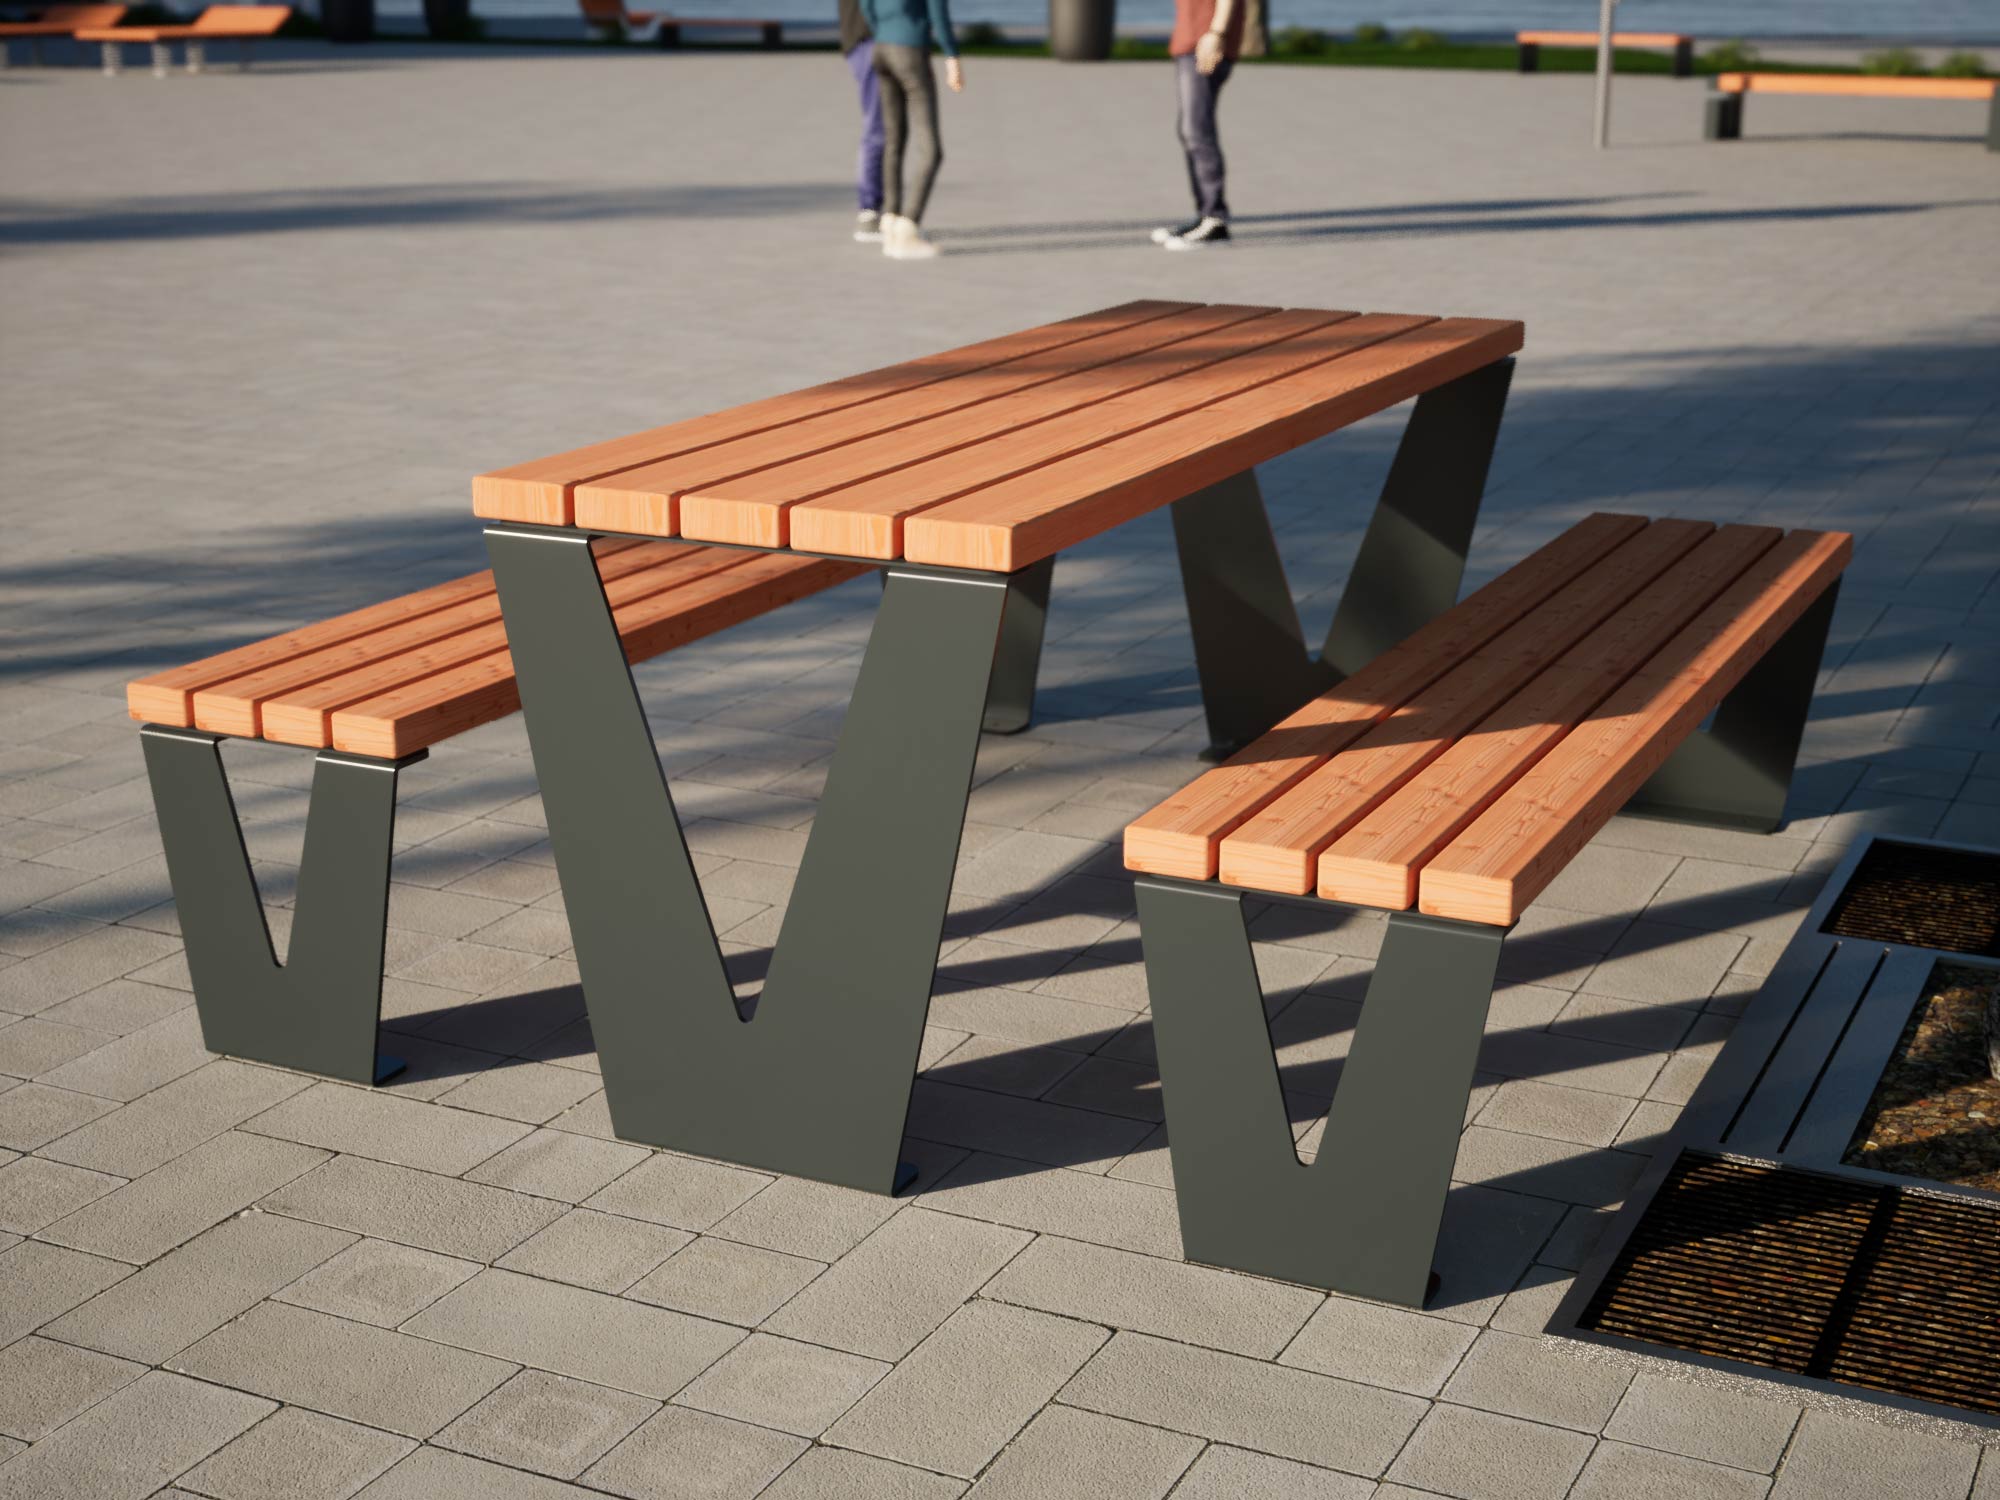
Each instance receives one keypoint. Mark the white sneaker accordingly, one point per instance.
(1163, 234)
(905, 241)
(868, 227)
(1207, 232)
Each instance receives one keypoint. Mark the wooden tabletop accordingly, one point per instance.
(1001, 453)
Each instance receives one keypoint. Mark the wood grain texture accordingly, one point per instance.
(1589, 38)
(61, 20)
(1279, 848)
(1182, 836)
(1007, 526)
(541, 491)
(753, 508)
(248, 21)
(1377, 861)
(1866, 86)
(1511, 851)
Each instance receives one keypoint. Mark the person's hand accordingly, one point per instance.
(954, 75)
(1208, 52)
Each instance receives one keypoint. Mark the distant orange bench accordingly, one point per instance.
(57, 20)
(1532, 42)
(611, 18)
(1725, 105)
(242, 23)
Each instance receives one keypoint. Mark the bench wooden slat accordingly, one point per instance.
(753, 509)
(304, 715)
(1377, 861)
(1009, 525)
(1279, 848)
(653, 498)
(540, 491)
(1182, 836)
(421, 713)
(1850, 84)
(1589, 38)
(1509, 854)
(168, 697)
(235, 705)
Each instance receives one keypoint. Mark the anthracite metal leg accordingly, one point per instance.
(1684, 58)
(319, 1010)
(1993, 123)
(1723, 120)
(1412, 559)
(1530, 59)
(1738, 771)
(1248, 648)
(1363, 1218)
(817, 1082)
(1010, 702)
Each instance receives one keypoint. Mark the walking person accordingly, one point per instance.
(1208, 36)
(857, 45)
(906, 32)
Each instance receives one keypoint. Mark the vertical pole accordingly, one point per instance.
(1605, 11)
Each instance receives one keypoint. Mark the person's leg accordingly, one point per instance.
(895, 125)
(868, 173)
(910, 68)
(1200, 138)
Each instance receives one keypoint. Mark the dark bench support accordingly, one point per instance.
(319, 1010)
(1530, 57)
(1363, 1218)
(1737, 772)
(1249, 648)
(1010, 701)
(817, 1081)
(1724, 119)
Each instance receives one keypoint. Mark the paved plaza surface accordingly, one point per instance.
(259, 331)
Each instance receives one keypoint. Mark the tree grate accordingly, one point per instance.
(1925, 896)
(1866, 1285)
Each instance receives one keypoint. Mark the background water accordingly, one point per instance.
(1930, 21)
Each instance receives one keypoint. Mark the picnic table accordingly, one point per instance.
(959, 477)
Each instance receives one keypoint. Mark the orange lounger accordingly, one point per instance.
(1678, 43)
(242, 23)
(57, 20)
(1725, 105)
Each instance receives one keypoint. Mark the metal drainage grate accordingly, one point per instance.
(1818, 1276)
(1924, 896)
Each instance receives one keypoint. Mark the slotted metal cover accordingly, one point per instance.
(1925, 896)
(1813, 1275)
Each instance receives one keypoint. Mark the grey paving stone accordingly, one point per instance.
(968, 1389)
(530, 1091)
(433, 1474)
(199, 1287)
(136, 1064)
(175, 1118)
(295, 1454)
(465, 1219)
(84, 962)
(682, 1191)
(1076, 1205)
(1539, 1380)
(373, 1281)
(1247, 1403)
(812, 1219)
(402, 1132)
(39, 1282)
(1189, 1303)
(132, 1442)
(1545, 1168)
(1582, 1115)
(33, 1114)
(1618, 1471)
(35, 1192)
(694, 1456)
(556, 1164)
(773, 1382)
(569, 1331)
(368, 1375)
(601, 1251)
(120, 1007)
(1475, 1454)
(32, 1046)
(726, 1281)
(884, 1298)
(547, 1423)
(1832, 1453)
(1076, 1452)
(1702, 1421)
(838, 1474)
(44, 1383)
(1379, 1345)
(1031, 1128)
(173, 1203)
(1223, 1473)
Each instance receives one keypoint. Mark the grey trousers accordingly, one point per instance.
(1199, 137)
(909, 127)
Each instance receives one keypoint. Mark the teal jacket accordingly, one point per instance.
(912, 23)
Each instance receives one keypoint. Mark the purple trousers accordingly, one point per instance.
(868, 175)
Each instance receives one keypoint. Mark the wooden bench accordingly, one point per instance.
(1532, 42)
(610, 19)
(242, 24)
(1449, 781)
(57, 20)
(372, 691)
(1724, 121)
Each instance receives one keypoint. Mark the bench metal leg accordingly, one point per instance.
(1724, 119)
(1993, 122)
(1010, 702)
(774, 33)
(1684, 58)
(163, 59)
(1412, 559)
(111, 58)
(1531, 57)
(817, 1081)
(1363, 1218)
(1738, 771)
(319, 1010)
(196, 56)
